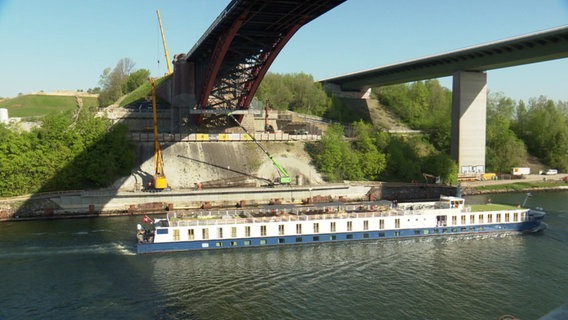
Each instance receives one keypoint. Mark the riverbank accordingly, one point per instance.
(88, 204)
(527, 183)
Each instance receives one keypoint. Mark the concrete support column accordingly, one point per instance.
(469, 105)
(184, 97)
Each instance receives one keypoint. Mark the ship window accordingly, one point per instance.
(262, 242)
(299, 239)
(507, 217)
(462, 219)
(426, 231)
(205, 245)
(381, 224)
(381, 234)
(316, 227)
(471, 219)
(220, 233)
(480, 217)
(417, 232)
(205, 233)
(233, 232)
(281, 240)
(397, 223)
(190, 234)
(262, 230)
(233, 243)
(162, 231)
(454, 229)
(436, 231)
(445, 230)
(463, 229)
(280, 229)
(247, 231)
(349, 225)
(365, 236)
(516, 216)
(397, 233)
(298, 228)
(454, 220)
(332, 237)
(365, 224)
(176, 234)
(246, 242)
(490, 218)
(523, 216)
(498, 217)
(316, 238)
(349, 236)
(218, 244)
(332, 227)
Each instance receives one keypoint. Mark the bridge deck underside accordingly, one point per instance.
(235, 53)
(537, 47)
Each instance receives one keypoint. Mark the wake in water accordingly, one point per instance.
(113, 248)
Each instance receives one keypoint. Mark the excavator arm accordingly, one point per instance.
(284, 176)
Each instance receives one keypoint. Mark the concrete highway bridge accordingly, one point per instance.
(468, 68)
(223, 70)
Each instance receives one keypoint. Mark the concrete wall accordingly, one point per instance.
(469, 104)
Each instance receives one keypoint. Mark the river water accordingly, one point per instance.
(87, 269)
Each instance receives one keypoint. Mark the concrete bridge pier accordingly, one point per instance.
(469, 106)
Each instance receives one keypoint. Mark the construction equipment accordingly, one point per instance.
(168, 62)
(284, 176)
(435, 179)
(159, 182)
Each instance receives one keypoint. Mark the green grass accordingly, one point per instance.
(521, 186)
(38, 105)
(142, 92)
(491, 207)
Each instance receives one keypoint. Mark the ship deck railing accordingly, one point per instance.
(227, 217)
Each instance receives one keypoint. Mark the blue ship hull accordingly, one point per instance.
(527, 226)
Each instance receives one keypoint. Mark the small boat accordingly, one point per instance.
(330, 222)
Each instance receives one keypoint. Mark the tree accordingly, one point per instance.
(136, 79)
(503, 149)
(296, 92)
(544, 128)
(114, 83)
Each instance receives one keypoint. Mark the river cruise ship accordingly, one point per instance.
(330, 222)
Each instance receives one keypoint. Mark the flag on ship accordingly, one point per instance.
(146, 219)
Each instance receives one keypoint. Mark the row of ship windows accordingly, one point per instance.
(480, 218)
(347, 237)
(333, 227)
(205, 231)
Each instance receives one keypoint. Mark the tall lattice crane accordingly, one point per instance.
(168, 62)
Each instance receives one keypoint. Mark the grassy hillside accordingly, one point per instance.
(142, 92)
(38, 105)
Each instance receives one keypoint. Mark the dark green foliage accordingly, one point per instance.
(64, 154)
(543, 125)
(423, 105)
(135, 80)
(376, 155)
(119, 81)
(503, 149)
(296, 92)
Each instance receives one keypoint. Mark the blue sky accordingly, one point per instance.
(66, 44)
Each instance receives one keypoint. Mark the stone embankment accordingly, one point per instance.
(105, 203)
